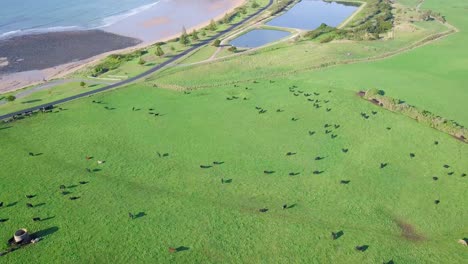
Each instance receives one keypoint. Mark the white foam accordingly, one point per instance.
(108, 21)
(22, 32)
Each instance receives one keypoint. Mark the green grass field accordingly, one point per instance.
(185, 205)
(212, 214)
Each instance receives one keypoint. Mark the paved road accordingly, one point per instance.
(144, 74)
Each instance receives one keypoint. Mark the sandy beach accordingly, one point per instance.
(31, 59)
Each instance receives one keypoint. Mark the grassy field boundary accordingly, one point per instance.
(425, 41)
(437, 122)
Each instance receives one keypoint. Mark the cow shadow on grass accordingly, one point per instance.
(140, 215)
(47, 218)
(182, 248)
(12, 204)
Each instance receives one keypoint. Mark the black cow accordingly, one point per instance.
(361, 248)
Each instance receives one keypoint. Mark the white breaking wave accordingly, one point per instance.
(21, 32)
(108, 21)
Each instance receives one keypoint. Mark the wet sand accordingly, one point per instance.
(34, 58)
(167, 18)
(41, 51)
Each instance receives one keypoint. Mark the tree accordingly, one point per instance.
(233, 49)
(216, 43)
(141, 61)
(226, 19)
(82, 84)
(212, 26)
(195, 35)
(10, 98)
(184, 39)
(255, 4)
(203, 33)
(159, 52)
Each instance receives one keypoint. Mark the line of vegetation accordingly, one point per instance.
(378, 19)
(451, 127)
(114, 61)
(279, 6)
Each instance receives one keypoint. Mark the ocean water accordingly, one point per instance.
(19, 17)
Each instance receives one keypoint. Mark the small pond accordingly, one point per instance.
(258, 37)
(309, 14)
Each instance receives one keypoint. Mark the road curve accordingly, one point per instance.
(144, 74)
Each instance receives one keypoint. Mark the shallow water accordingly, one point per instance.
(30, 16)
(258, 37)
(309, 14)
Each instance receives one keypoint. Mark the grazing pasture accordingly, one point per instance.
(213, 177)
(258, 167)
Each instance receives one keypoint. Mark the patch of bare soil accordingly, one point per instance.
(408, 231)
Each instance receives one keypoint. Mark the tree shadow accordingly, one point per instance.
(228, 181)
(291, 206)
(31, 101)
(45, 232)
(97, 170)
(38, 154)
(39, 205)
(3, 128)
(3, 220)
(72, 186)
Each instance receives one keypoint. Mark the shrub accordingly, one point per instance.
(10, 98)
(327, 39)
(216, 43)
